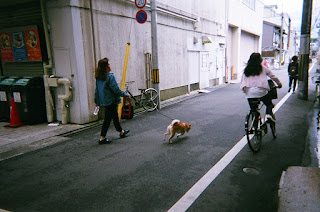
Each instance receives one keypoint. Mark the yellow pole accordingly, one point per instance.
(123, 81)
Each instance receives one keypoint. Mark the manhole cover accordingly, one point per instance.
(251, 171)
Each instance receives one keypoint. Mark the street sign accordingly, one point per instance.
(140, 3)
(141, 16)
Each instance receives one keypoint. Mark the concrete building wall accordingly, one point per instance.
(75, 41)
(70, 58)
(245, 21)
(268, 33)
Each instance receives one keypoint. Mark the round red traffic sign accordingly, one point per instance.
(140, 3)
(141, 16)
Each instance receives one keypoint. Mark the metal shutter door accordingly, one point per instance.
(247, 47)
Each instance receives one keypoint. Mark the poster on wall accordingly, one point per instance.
(33, 44)
(21, 44)
(19, 47)
(6, 47)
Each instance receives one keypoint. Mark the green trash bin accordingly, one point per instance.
(29, 97)
(3, 77)
(5, 96)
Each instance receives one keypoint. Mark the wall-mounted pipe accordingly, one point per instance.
(93, 35)
(64, 99)
(47, 67)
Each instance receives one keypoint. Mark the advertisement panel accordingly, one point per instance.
(33, 44)
(6, 47)
(20, 45)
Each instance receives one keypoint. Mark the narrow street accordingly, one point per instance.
(144, 173)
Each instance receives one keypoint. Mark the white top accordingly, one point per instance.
(260, 81)
(255, 92)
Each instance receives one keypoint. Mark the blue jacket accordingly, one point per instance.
(107, 91)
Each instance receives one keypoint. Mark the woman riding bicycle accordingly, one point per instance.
(254, 84)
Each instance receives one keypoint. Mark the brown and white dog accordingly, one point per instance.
(176, 127)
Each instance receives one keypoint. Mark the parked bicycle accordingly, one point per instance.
(148, 98)
(256, 127)
(316, 80)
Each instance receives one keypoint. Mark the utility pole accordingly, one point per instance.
(281, 40)
(289, 32)
(304, 50)
(154, 40)
(295, 42)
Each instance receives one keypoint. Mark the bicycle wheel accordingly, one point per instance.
(150, 99)
(253, 132)
(273, 129)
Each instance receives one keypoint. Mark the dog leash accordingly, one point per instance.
(164, 114)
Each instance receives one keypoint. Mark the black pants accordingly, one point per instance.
(111, 113)
(254, 102)
(294, 79)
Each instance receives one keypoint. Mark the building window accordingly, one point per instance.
(250, 3)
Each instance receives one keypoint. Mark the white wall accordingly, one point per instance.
(243, 19)
(115, 26)
(69, 56)
(246, 18)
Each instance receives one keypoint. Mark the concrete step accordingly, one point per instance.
(300, 190)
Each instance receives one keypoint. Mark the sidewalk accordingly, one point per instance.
(300, 190)
(17, 141)
(299, 187)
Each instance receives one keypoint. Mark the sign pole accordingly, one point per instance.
(154, 41)
(123, 81)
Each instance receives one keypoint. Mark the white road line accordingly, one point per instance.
(196, 190)
(283, 100)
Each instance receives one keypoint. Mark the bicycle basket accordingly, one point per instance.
(273, 90)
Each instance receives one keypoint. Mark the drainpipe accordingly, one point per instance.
(47, 67)
(65, 98)
(228, 73)
(93, 35)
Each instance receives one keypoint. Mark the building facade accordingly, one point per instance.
(276, 37)
(200, 44)
(244, 34)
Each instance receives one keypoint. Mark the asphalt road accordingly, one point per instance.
(144, 173)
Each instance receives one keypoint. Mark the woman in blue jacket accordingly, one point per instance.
(107, 95)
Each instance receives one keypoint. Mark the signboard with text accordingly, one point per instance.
(140, 3)
(141, 15)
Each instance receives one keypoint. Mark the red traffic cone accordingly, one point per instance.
(14, 118)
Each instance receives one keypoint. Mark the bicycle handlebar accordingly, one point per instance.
(316, 79)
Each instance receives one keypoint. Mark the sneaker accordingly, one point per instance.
(124, 134)
(270, 118)
(105, 141)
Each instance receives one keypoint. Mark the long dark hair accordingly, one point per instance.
(254, 66)
(102, 69)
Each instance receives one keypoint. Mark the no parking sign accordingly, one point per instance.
(141, 15)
